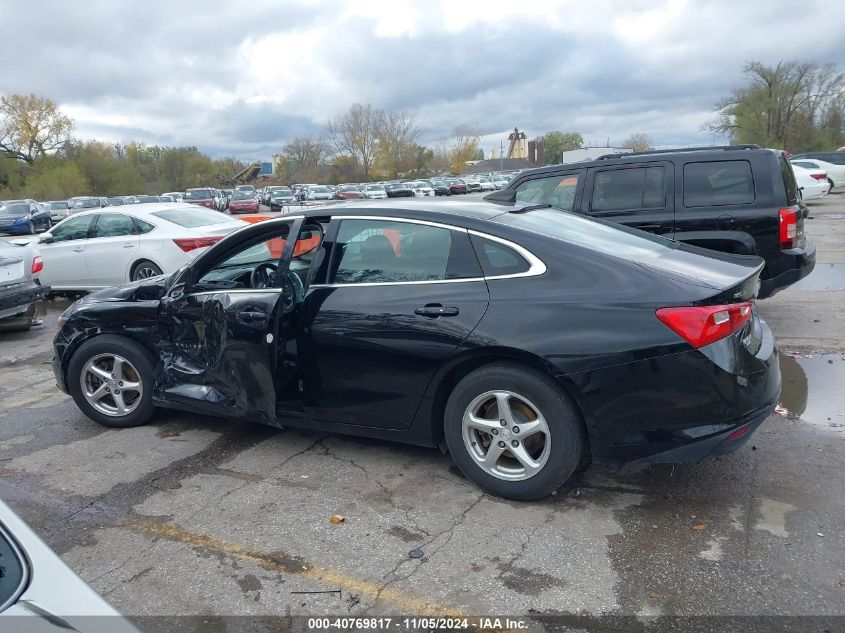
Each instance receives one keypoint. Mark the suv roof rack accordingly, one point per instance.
(682, 149)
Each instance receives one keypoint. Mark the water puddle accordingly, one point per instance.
(812, 389)
(824, 277)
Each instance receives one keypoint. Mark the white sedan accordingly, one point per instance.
(109, 247)
(835, 173)
(375, 192)
(421, 189)
(812, 182)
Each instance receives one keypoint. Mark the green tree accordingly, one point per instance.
(793, 105)
(56, 179)
(31, 127)
(555, 143)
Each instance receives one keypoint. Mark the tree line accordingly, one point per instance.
(797, 106)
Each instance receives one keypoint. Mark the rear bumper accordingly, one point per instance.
(799, 264)
(719, 444)
(22, 296)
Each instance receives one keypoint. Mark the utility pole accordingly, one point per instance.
(501, 153)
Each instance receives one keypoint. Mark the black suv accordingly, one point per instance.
(736, 199)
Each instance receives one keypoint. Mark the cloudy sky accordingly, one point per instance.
(240, 78)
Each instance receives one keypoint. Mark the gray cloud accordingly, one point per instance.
(241, 80)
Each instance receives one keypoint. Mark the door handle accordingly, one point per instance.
(129, 245)
(78, 249)
(249, 315)
(436, 310)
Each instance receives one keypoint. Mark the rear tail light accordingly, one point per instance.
(190, 243)
(702, 325)
(37, 264)
(788, 231)
(821, 176)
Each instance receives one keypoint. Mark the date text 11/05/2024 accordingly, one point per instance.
(418, 624)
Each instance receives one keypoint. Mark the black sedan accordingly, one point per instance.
(527, 340)
(399, 190)
(441, 188)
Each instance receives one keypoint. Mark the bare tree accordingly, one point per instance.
(781, 106)
(397, 135)
(305, 151)
(355, 133)
(463, 145)
(638, 142)
(31, 127)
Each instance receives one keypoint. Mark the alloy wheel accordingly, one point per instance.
(111, 384)
(506, 435)
(145, 271)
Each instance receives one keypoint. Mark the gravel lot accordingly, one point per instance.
(197, 515)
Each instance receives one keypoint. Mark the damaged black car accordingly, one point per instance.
(525, 340)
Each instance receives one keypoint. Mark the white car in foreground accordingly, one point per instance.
(813, 183)
(109, 247)
(835, 173)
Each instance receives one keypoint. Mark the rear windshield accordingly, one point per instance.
(242, 195)
(200, 216)
(610, 239)
(14, 208)
(197, 194)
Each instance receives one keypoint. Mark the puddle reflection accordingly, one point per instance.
(812, 388)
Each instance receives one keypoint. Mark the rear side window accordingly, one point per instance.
(12, 571)
(718, 183)
(629, 189)
(143, 227)
(558, 191)
(497, 259)
(198, 216)
(788, 181)
(113, 225)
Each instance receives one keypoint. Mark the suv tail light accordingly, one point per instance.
(820, 176)
(37, 264)
(788, 232)
(190, 243)
(702, 325)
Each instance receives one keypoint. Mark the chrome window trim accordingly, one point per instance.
(236, 291)
(536, 267)
(23, 560)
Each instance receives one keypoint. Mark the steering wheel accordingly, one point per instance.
(263, 276)
(293, 293)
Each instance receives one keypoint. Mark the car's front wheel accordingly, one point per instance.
(111, 380)
(513, 431)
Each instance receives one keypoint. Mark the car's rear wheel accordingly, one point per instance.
(31, 228)
(513, 431)
(144, 270)
(111, 379)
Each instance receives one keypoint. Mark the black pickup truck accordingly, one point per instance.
(737, 199)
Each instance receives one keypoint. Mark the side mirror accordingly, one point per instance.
(45, 238)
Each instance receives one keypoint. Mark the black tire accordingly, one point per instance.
(133, 352)
(31, 228)
(568, 445)
(144, 265)
(831, 185)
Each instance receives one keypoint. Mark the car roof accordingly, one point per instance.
(726, 152)
(142, 209)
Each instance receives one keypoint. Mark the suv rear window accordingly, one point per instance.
(718, 183)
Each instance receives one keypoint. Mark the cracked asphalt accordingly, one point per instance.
(199, 515)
